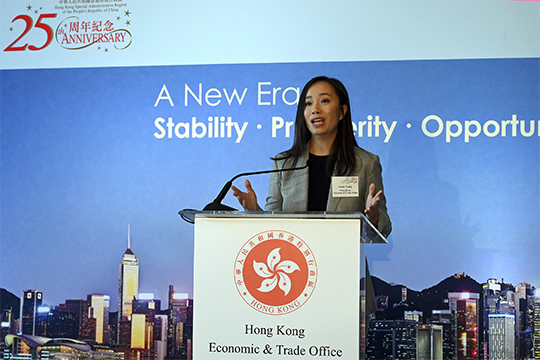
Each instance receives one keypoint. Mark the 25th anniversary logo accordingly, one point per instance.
(72, 25)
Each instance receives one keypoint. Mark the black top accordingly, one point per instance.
(319, 183)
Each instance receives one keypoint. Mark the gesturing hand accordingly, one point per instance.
(247, 199)
(372, 205)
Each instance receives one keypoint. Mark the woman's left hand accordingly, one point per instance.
(372, 205)
(247, 199)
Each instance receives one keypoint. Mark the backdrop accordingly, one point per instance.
(87, 150)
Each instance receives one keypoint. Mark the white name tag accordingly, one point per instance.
(345, 186)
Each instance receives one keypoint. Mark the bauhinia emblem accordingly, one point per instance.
(275, 272)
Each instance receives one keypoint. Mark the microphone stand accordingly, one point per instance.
(217, 205)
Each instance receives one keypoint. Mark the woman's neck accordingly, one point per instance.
(320, 146)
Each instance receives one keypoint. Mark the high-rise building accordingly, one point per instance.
(501, 337)
(526, 308)
(99, 310)
(536, 330)
(86, 321)
(526, 316)
(30, 303)
(526, 346)
(129, 282)
(160, 337)
(509, 304)
(179, 325)
(447, 320)
(139, 338)
(413, 315)
(522, 289)
(466, 307)
(429, 342)
(77, 307)
(147, 304)
(391, 339)
(136, 339)
(124, 334)
(143, 323)
(491, 297)
(56, 323)
(113, 328)
(88, 326)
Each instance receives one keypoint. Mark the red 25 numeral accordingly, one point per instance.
(29, 23)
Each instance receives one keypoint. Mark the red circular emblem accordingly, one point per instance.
(275, 272)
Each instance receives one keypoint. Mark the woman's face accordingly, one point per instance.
(322, 111)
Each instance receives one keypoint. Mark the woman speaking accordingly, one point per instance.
(324, 135)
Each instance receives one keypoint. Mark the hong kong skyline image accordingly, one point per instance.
(430, 313)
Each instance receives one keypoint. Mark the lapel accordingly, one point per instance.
(333, 202)
(303, 180)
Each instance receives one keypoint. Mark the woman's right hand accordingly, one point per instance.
(247, 199)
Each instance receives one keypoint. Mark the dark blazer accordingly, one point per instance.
(289, 190)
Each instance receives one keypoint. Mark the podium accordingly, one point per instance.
(269, 285)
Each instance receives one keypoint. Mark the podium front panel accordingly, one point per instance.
(267, 287)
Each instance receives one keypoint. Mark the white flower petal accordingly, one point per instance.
(284, 283)
(261, 269)
(268, 284)
(273, 258)
(287, 266)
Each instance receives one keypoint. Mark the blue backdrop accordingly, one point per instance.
(85, 152)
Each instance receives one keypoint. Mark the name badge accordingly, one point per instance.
(345, 186)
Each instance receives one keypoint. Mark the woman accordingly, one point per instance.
(324, 135)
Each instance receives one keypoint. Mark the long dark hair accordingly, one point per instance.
(342, 159)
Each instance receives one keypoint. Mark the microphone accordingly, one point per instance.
(217, 205)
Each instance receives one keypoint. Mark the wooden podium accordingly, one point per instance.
(269, 285)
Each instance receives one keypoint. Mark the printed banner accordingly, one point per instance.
(271, 280)
(85, 152)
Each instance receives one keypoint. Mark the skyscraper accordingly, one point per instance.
(99, 310)
(536, 326)
(429, 342)
(447, 320)
(79, 308)
(501, 336)
(30, 302)
(491, 297)
(129, 282)
(179, 325)
(160, 337)
(466, 307)
(140, 334)
(391, 339)
(56, 323)
(143, 321)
